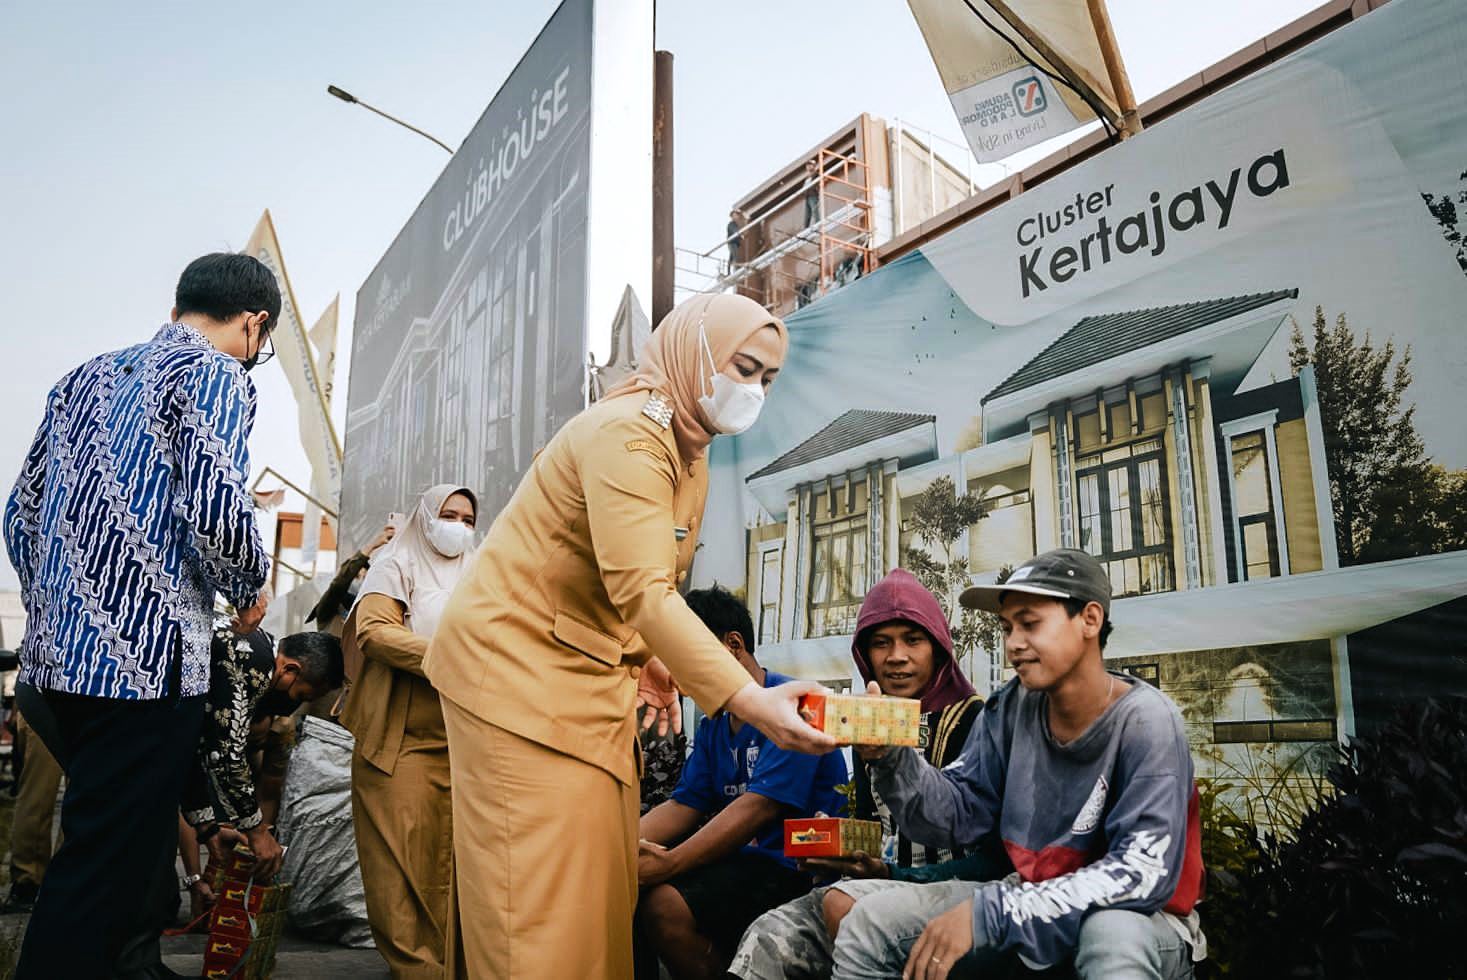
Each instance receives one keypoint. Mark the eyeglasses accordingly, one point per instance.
(267, 346)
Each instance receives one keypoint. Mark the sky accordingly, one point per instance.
(139, 136)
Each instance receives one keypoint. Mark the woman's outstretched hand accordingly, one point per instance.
(775, 712)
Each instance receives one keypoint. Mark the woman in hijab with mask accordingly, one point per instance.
(400, 781)
(545, 651)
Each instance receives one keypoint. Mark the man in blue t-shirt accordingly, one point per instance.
(712, 857)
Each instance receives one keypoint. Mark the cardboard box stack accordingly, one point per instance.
(858, 719)
(247, 921)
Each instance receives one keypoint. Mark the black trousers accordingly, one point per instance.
(98, 915)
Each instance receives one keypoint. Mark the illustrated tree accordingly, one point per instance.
(1436, 503)
(938, 519)
(1389, 500)
(1424, 515)
(1445, 209)
(984, 631)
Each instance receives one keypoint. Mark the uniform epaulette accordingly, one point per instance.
(658, 409)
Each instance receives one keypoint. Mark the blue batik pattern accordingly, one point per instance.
(130, 513)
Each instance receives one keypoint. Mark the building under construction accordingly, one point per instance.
(816, 224)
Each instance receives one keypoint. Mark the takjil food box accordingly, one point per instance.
(228, 944)
(255, 900)
(858, 719)
(831, 837)
(239, 864)
(246, 923)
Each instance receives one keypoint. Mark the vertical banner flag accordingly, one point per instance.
(298, 359)
(1003, 101)
(323, 338)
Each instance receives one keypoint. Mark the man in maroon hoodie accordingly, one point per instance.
(903, 644)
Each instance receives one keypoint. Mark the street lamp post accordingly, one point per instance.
(346, 96)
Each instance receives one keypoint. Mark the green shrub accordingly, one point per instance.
(1229, 852)
(1374, 881)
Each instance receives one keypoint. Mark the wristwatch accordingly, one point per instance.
(189, 881)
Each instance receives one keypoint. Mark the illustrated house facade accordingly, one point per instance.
(1145, 454)
(1126, 437)
(1131, 438)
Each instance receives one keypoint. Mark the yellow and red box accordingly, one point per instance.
(831, 837)
(859, 719)
(246, 922)
(232, 938)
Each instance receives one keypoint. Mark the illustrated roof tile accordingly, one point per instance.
(855, 428)
(1098, 338)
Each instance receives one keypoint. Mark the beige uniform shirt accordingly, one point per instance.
(576, 586)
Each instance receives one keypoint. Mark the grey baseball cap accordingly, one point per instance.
(1063, 573)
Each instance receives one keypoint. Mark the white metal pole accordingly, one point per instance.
(899, 219)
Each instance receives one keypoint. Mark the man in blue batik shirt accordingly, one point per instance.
(703, 885)
(130, 513)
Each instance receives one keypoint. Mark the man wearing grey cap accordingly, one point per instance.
(1082, 774)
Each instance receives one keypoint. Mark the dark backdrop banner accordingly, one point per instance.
(470, 337)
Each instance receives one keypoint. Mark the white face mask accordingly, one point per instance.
(732, 407)
(449, 538)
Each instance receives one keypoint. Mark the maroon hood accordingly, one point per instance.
(900, 596)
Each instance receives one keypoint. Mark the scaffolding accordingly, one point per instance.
(848, 234)
(835, 245)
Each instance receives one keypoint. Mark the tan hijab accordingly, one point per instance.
(674, 364)
(412, 571)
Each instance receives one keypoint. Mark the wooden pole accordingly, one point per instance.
(268, 471)
(1115, 66)
(663, 258)
(1076, 76)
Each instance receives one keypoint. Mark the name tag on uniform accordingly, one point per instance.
(680, 533)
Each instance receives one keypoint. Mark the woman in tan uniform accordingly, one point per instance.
(400, 783)
(542, 647)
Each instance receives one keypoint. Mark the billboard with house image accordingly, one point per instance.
(1221, 357)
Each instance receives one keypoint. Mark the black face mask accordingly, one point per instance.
(275, 703)
(261, 355)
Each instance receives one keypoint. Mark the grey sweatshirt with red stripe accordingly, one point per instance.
(1108, 820)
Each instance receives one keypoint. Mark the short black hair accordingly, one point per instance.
(224, 284)
(723, 613)
(319, 655)
(1076, 606)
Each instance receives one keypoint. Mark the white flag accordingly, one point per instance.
(323, 338)
(298, 359)
(1004, 102)
(629, 332)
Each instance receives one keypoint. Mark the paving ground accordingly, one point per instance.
(296, 959)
